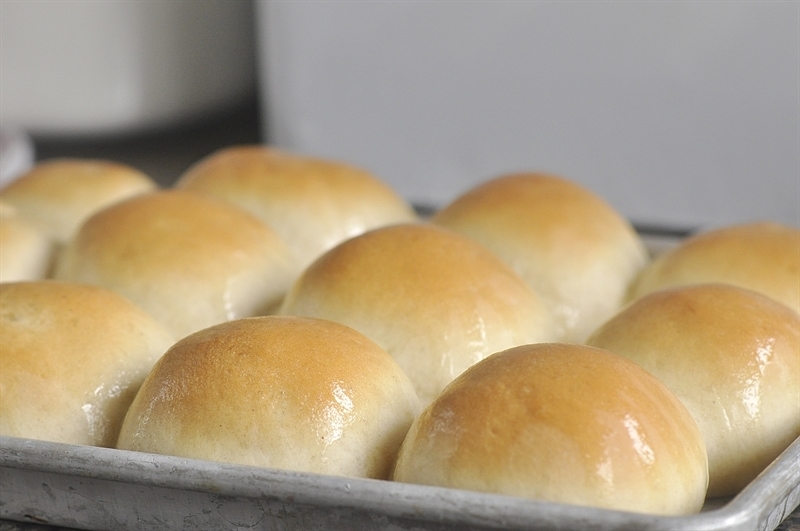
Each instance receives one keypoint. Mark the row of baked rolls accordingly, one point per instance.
(438, 303)
(41, 210)
(224, 243)
(716, 318)
(555, 422)
(726, 341)
(83, 365)
(443, 307)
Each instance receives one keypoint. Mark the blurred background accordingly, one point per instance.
(681, 114)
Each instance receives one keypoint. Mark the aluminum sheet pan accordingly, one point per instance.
(89, 488)
(99, 488)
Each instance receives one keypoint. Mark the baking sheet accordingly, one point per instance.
(92, 488)
(100, 488)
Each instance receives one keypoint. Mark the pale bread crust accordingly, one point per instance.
(562, 423)
(26, 253)
(282, 392)
(435, 300)
(57, 195)
(732, 356)
(190, 260)
(761, 256)
(576, 251)
(311, 202)
(73, 357)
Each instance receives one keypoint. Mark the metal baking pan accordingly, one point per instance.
(93, 488)
(100, 488)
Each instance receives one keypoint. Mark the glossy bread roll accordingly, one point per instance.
(72, 357)
(761, 256)
(283, 392)
(57, 195)
(189, 260)
(733, 357)
(561, 423)
(26, 253)
(435, 300)
(312, 203)
(568, 244)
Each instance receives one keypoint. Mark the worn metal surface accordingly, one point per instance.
(88, 488)
(99, 488)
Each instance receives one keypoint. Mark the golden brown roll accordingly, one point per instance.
(275, 391)
(190, 260)
(433, 299)
(73, 357)
(563, 423)
(570, 246)
(761, 256)
(26, 253)
(312, 203)
(57, 195)
(733, 357)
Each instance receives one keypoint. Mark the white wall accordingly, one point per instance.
(72, 68)
(679, 113)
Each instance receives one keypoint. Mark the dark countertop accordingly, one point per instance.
(165, 153)
(791, 523)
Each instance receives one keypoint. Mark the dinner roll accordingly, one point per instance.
(25, 252)
(436, 301)
(58, 195)
(312, 203)
(568, 244)
(72, 357)
(733, 357)
(562, 423)
(761, 256)
(189, 260)
(274, 391)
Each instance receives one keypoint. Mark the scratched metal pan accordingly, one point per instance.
(99, 488)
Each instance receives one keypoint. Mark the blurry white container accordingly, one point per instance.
(679, 113)
(85, 67)
(17, 155)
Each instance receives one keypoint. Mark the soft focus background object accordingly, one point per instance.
(17, 155)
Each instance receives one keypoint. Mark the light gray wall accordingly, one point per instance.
(678, 113)
(71, 69)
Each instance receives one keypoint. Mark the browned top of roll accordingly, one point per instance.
(761, 256)
(188, 259)
(285, 392)
(313, 203)
(732, 356)
(72, 356)
(58, 195)
(563, 423)
(569, 244)
(435, 300)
